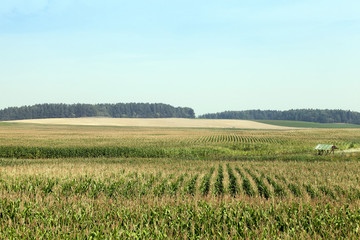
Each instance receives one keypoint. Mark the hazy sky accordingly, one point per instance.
(208, 55)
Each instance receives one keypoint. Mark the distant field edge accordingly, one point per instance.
(157, 122)
(301, 124)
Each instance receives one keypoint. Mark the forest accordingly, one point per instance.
(308, 115)
(161, 110)
(118, 110)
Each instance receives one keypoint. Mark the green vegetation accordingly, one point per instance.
(310, 190)
(118, 110)
(71, 182)
(218, 185)
(246, 183)
(233, 185)
(278, 189)
(90, 219)
(142, 197)
(295, 190)
(205, 183)
(306, 115)
(191, 186)
(262, 188)
(33, 141)
(301, 124)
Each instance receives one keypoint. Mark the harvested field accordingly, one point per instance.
(157, 122)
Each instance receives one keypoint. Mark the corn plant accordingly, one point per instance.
(278, 189)
(219, 185)
(205, 183)
(262, 188)
(295, 190)
(191, 185)
(327, 191)
(233, 185)
(310, 190)
(246, 183)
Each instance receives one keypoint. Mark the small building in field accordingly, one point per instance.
(325, 148)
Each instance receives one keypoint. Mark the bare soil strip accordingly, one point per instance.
(156, 122)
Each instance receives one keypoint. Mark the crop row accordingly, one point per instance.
(71, 219)
(234, 181)
(27, 152)
(233, 138)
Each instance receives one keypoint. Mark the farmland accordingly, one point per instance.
(155, 122)
(61, 181)
(301, 124)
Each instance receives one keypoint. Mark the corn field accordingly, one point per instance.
(135, 198)
(70, 183)
(41, 141)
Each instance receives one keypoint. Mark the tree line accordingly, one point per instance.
(160, 110)
(308, 115)
(118, 110)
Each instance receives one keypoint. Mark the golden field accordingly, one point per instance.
(156, 122)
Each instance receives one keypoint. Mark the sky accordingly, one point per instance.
(209, 55)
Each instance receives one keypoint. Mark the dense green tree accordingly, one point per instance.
(118, 110)
(308, 115)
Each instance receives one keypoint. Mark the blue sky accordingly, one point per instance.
(208, 55)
